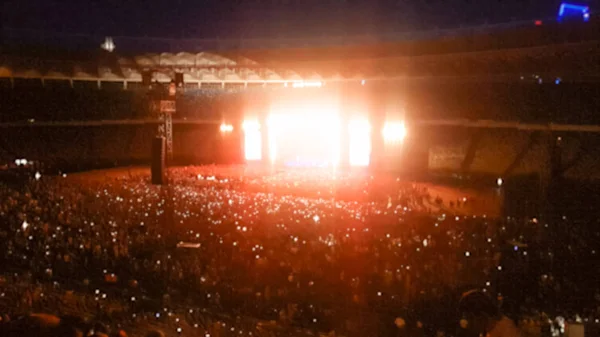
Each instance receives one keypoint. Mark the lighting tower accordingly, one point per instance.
(164, 107)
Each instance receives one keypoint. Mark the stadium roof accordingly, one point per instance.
(198, 67)
(555, 48)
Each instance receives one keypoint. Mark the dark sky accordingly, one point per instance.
(262, 18)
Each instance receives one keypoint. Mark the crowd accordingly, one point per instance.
(223, 252)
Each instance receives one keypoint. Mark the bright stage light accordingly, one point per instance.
(394, 132)
(360, 142)
(304, 138)
(252, 140)
(251, 125)
(226, 128)
(307, 84)
(272, 125)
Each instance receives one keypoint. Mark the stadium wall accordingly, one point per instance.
(520, 100)
(449, 149)
(81, 148)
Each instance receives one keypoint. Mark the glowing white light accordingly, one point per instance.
(108, 45)
(499, 182)
(37, 176)
(252, 140)
(226, 128)
(251, 125)
(288, 136)
(359, 142)
(25, 225)
(394, 132)
(307, 84)
(272, 126)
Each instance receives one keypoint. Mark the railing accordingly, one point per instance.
(489, 124)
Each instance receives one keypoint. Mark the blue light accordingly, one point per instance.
(584, 11)
(557, 81)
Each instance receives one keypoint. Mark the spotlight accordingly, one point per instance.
(252, 140)
(251, 125)
(226, 127)
(394, 132)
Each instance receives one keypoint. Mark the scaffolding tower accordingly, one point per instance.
(165, 107)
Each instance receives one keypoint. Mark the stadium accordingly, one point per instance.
(353, 189)
(528, 74)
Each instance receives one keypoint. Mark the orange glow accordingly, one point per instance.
(226, 127)
(252, 140)
(360, 142)
(394, 132)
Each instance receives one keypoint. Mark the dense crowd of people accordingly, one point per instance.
(231, 252)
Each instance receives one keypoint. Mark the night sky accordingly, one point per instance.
(262, 18)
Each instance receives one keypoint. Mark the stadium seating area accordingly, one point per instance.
(575, 103)
(524, 102)
(444, 42)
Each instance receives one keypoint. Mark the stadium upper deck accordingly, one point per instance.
(568, 50)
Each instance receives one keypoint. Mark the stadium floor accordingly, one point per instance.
(485, 201)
